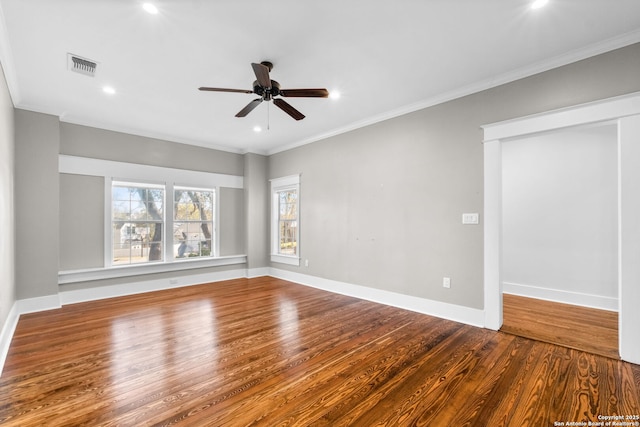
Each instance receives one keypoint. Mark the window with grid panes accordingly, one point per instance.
(285, 220)
(137, 212)
(193, 223)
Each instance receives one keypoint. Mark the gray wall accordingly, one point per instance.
(37, 204)
(256, 202)
(81, 222)
(49, 233)
(232, 235)
(84, 141)
(381, 206)
(7, 218)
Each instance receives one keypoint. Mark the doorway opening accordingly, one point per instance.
(624, 114)
(559, 237)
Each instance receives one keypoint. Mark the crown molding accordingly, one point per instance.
(521, 73)
(6, 61)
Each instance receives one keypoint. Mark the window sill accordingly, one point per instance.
(285, 259)
(73, 276)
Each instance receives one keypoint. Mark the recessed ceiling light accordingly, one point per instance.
(334, 94)
(257, 129)
(109, 90)
(150, 8)
(537, 4)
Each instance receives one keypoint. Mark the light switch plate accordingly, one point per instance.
(470, 218)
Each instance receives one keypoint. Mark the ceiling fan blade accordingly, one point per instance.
(305, 93)
(250, 106)
(262, 75)
(287, 108)
(218, 89)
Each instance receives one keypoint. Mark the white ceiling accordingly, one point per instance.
(385, 57)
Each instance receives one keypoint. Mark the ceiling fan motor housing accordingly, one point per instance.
(266, 93)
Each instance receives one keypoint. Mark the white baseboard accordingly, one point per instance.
(258, 272)
(457, 313)
(443, 310)
(565, 297)
(23, 306)
(102, 292)
(7, 333)
(33, 305)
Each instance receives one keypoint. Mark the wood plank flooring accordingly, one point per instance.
(266, 352)
(581, 328)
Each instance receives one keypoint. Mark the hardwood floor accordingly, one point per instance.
(268, 352)
(582, 328)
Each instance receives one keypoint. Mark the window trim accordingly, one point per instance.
(145, 174)
(170, 221)
(109, 229)
(291, 182)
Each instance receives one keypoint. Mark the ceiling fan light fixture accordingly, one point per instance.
(334, 94)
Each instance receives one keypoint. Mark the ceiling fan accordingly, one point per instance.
(268, 90)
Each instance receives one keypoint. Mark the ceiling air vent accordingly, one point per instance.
(81, 65)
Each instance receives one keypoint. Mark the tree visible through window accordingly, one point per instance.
(285, 220)
(193, 222)
(288, 222)
(137, 223)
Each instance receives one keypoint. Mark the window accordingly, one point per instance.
(137, 212)
(137, 221)
(285, 220)
(193, 227)
(146, 211)
(288, 222)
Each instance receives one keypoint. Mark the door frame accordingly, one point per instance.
(625, 110)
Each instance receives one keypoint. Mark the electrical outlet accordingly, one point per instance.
(446, 282)
(173, 281)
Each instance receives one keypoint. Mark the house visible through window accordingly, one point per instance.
(285, 220)
(193, 226)
(156, 219)
(137, 214)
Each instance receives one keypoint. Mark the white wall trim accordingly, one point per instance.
(622, 108)
(457, 313)
(291, 182)
(87, 275)
(629, 237)
(132, 171)
(33, 305)
(103, 292)
(257, 272)
(6, 335)
(592, 112)
(6, 61)
(494, 81)
(492, 234)
(285, 259)
(564, 297)
(19, 307)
